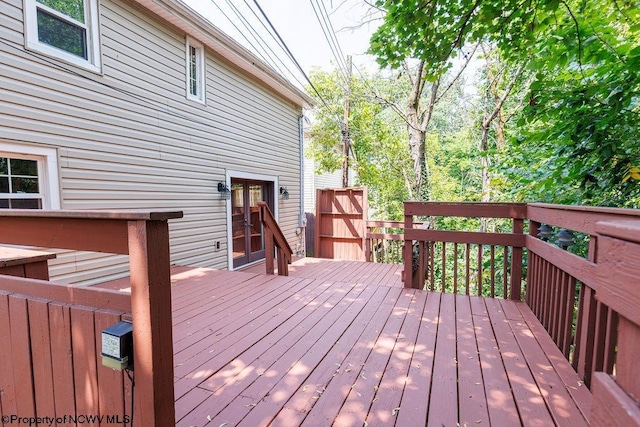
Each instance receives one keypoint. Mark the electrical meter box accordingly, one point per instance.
(117, 346)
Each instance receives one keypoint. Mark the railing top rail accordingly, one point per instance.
(624, 229)
(578, 218)
(126, 215)
(388, 224)
(588, 209)
(467, 209)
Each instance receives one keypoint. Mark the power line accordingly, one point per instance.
(260, 40)
(295, 61)
(325, 31)
(268, 30)
(341, 54)
(256, 50)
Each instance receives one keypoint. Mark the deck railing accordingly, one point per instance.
(617, 398)
(468, 262)
(384, 241)
(557, 270)
(51, 333)
(274, 240)
(562, 286)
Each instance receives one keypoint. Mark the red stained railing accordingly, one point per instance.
(54, 330)
(468, 262)
(560, 287)
(275, 243)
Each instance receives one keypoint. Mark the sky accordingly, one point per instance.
(297, 24)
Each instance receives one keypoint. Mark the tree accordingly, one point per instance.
(377, 153)
(582, 117)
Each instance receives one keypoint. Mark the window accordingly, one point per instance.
(66, 29)
(195, 71)
(29, 178)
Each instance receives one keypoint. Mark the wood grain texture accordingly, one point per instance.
(92, 297)
(577, 218)
(39, 333)
(148, 245)
(466, 209)
(619, 258)
(612, 407)
(61, 358)
(335, 353)
(502, 239)
(21, 355)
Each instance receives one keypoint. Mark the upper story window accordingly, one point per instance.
(28, 177)
(195, 70)
(65, 29)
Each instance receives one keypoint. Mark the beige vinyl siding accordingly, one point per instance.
(129, 138)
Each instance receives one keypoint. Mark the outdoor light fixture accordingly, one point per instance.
(284, 193)
(545, 232)
(565, 238)
(223, 189)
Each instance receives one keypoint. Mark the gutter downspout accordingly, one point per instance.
(302, 219)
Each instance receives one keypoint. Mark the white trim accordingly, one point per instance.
(246, 175)
(48, 161)
(92, 25)
(201, 70)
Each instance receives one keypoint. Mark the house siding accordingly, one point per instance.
(129, 139)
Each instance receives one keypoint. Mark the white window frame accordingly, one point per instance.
(91, 25)
(201, 87)
(47, 159)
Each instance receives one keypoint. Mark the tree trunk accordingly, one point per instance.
(486, 179)
(416, 145)
(346, 137)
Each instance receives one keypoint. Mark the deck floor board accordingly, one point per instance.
(342, 343)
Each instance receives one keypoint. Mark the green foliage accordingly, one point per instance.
(379, 155)
(71, 8)
(578, 133)
(582, 124)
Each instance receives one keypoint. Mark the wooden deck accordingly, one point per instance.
(341, 343)
(355, 271)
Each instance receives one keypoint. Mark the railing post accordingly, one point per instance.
(283, 265)
(152, 324)
(367, 245)
(407, 250)
(530, 285)
(516, 263)
(269, 250)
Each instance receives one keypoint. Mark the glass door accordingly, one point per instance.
(248, 235)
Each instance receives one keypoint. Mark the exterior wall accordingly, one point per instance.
(129, 138)
(312, 182)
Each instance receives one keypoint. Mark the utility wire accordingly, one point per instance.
(256, 50)
(261, 43)
(295, 61)
(268, 31)
(341, 54)
(260, 40)
(329, 42)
